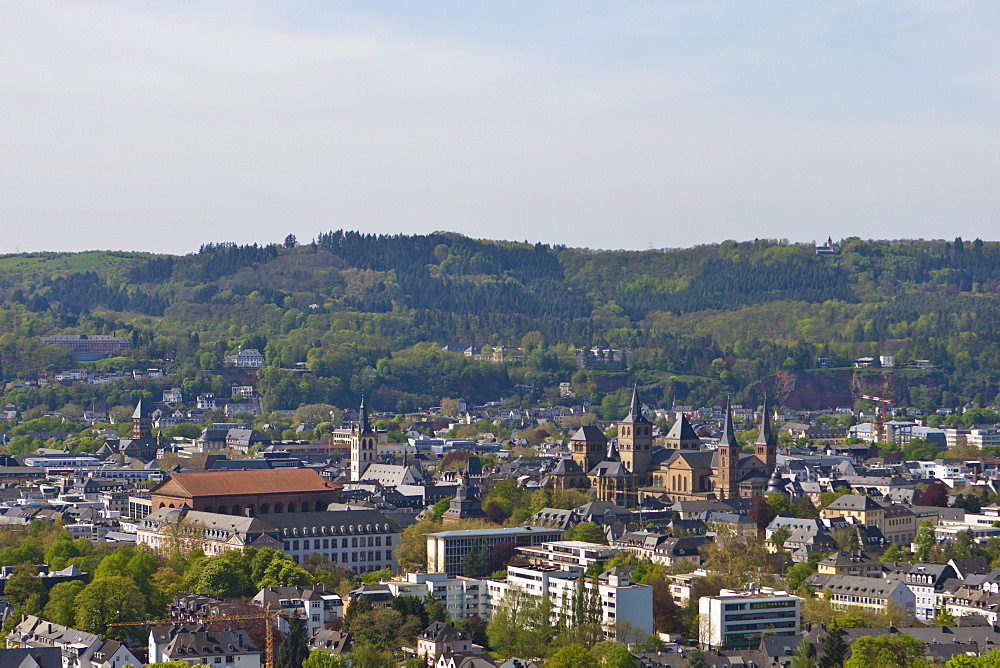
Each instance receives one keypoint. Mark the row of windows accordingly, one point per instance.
(249, 511)
(327, 543)
(347, 557)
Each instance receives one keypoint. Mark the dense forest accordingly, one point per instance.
(351, 312)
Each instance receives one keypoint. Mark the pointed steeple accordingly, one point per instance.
(728, 431)
(635, 409)
(612, 454)
(364, 424)
(766, 436)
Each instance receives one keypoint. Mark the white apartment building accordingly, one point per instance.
(979, 437)
(738, 619)
(316, 606)
(621, 601)
(568, 553)
(463, 597)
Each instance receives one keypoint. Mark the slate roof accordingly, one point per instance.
(611, 470)
(589, 433)
(855, 502)
(682, 430)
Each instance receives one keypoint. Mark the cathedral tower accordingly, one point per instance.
(727, 473)
(141, 424)
(766, 447)
(588, 446)
(682, 435)
(363, 443)
(635, 442)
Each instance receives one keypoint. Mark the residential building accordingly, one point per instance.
(739, 618)
(568, 553)
(250, 358)
(79, 648)
(315, 605)
(446, 550)
(851, 563)
(226, 649)
(897, 523)
(442, 638)
(174, 395)
(620, 600)
(869, 593)
(463, 597)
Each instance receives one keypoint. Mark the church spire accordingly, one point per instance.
(727, 472)
(728, 431)
(635, 409)
(364, 424)
(766, 436)
(766, 446)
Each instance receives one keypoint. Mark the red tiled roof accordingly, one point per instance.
(225, 483)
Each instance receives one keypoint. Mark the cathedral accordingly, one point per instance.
(626, 470)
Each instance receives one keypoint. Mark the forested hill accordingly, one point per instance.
(360, 311)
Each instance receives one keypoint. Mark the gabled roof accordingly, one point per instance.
(442, 632)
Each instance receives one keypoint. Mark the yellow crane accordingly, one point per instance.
(266, 615)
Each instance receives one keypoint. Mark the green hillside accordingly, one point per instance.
(348, 313)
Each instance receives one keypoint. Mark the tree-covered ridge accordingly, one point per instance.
(357, 311)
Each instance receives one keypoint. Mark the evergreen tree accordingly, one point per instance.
(834, 650)
(294, 650)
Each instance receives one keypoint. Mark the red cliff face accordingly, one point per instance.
(814, 390)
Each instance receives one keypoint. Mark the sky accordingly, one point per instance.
(163, 125)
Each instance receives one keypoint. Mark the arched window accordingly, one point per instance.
(277, 507)
(320, 505)
(263, 509)
(171, 505)
(249, 511)
(237, 509)
(208, 509)
(291, 507)
(223, 510)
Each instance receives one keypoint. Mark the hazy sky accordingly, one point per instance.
(163, 125)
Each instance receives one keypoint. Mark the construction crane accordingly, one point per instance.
(884, 408)
(266, 615)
